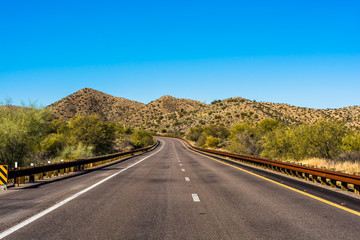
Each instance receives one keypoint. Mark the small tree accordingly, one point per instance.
(91, 131)
(324, 139)
(194, 133)
(141, 138)
(244, 139)
(21, 132)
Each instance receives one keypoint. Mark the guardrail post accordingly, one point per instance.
(344, 186)
(32, 178)
(333, 183)
(357, 189)
(323, 181)
(314, 178)
(307, 176)
(299, 175)
(22, 180)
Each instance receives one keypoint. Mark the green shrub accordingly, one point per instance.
(194, 133)
(212, 142)
(91, 131)
(141, 138)
(351, 142)
(78, 151)
(21, 132)
(216, 101)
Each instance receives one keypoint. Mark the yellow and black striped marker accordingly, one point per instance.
(3, 174)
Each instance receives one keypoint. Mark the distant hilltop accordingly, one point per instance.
(176, 114)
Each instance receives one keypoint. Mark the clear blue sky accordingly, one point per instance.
(304, 53)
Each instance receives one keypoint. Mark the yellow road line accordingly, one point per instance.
(280, 184)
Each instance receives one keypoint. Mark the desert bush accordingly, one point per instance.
(212, 142)
(351, 142)
(72, 152)
(244, 139)
(53, 144)
(218, 131)
(216, 101)
(92, 132)
(194, 133)
(21, 132)
(323, 139)
(141, 138)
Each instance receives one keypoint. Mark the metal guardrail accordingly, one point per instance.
(77, 164)
(325, 177)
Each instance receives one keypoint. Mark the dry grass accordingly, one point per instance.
(348, 166)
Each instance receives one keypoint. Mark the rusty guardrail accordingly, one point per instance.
(65, 167)
(325, 177)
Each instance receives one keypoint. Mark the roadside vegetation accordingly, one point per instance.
(31, 135)
(327, 144)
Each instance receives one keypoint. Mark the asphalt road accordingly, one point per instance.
(174, 193)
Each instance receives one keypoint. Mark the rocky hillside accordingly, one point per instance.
(233, 110)
(169, 114)
(89, 101)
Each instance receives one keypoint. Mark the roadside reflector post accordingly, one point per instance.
(31, 176)
(3, 176)
(62, 171)
(16, 178)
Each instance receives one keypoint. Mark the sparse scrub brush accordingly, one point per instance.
(76, 152)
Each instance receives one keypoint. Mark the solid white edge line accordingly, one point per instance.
(195, 197)
(50, 209)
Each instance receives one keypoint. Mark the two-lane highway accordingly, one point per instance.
(171, 193)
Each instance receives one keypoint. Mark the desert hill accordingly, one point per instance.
(89, 101)
(169, 114)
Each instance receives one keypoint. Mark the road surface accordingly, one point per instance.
(175, 193)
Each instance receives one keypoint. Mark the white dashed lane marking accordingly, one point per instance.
(187, 179)
(183, 170)
(195, 197)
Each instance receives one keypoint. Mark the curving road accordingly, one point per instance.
(175, 193)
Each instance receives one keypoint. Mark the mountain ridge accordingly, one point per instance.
(170, 114)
